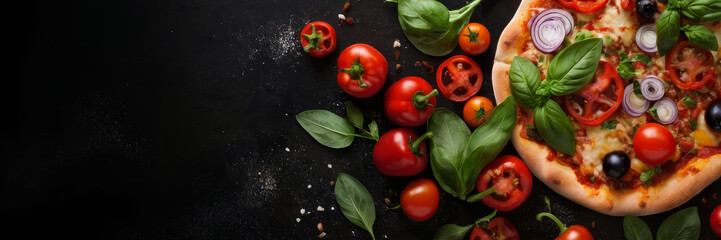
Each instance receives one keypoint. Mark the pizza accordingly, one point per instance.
(623, 160)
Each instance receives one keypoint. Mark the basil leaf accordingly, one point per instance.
(702, 36)
(635, 229)
(682, 225)
(355, 202)
(373, 127)
(637, 89)
(610, 125)
(450, 136)
(647, 176)
(555, 127)
(693, 125)
(327, 128)
(451, 232)
(487, 141)
(524, 79)
(667, 30)
(645, 59)
(688, 102)
(574, 66)
(625, 69)
(355, 116)
(703, 10)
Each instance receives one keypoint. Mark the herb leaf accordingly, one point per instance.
(635, 229)
(645, 59)
(355, 116)
(373, 127)
(450, 136)
(682, 225)
(688, 102)
(451, 232)
(702, 36)
(703, 10)
(574, 66)
(355, 202)
(327, 128)
(555, 127)
(524, 79)
(610, 125)
(647, 176)
(667, 29)
(693, 125)
(637, 89)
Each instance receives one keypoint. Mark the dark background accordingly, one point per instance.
(170, 120)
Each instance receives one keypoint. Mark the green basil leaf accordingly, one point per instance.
(703, 10)
(355, 116)
(688, 102)
(702, 36)
(637, 89)
(610, 125)
(355, 202)
(625, 69)
(451, 232)
(327, 128)
(574, 66)
(555, 127)
(373, 127)
(667, 30)
(682, 225)
(524, 79)
(486, 142)
(693, 125)
(643, 58)
(635, 229)
(450, 136)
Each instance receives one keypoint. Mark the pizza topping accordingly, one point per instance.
(690, 66)
(713, 115)
(646, 8)
(634, 105)
(654, 144)
(666, 111)
(616, 164)
(549, 29)
(646, 38)
(652, 88)
(584, 6)
(599, 99)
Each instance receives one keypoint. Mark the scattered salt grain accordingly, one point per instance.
(297, 219)
(320, 209)
(332, 208)
(397, 44)
(287, 149)
(341, 17)
(330, 166)
(309, 186)
(302, 211)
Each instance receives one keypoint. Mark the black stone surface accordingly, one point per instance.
(170, 120)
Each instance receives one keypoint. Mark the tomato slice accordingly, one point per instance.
(689, 65)
(499, 228)
(584, 6)
(599, 99)
(459, 78)
(510, 180)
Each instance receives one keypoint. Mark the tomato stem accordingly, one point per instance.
(313, 39)
(554, 218)
(420, 101)
(396, 207)
(472, 36)
(356, 72)
(478, 196)
(414, 144)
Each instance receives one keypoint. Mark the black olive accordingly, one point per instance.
(616, 164)
(646, 8)
(713, 115)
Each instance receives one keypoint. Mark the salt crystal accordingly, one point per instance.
(397, 44)
(309, 186)
(297, 219)
(287, 149)
(302, 211)
(341, 17)
(320, 209)
(330, 166)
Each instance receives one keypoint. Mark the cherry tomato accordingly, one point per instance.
(477, 110)
(716, 221)
(576, 232)
(318, 39)
(362, 70)
(689, 65)
(474, 39)
(419, 200)
(654, 144)
(410, 102)
(584, 6)
(509, 180)
(458, 78)
(400, 152)
(599, 99)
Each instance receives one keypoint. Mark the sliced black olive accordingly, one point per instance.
(713, 115)
(616, 164)
(646, 8)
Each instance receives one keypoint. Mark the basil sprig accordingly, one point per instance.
(702, 36)
(457, 156)
(701, 10)
(682, 225)
(571, 69)
(430, 26)
(355, 202)
(334, 131)
(669, 23)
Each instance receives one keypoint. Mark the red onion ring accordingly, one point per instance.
(631, 109)
(652, 88)
(666, 110)
(646, 38)
(549, 28)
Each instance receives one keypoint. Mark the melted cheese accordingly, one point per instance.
(704, 135)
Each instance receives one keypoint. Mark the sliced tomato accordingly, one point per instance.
(459, 78)
(628, 4)
(689, 65)
(584, 6)
(599, 99)
(510, 181)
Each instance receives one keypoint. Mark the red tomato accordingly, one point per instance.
(628, 4)
(474, 39)
(584, 6)
(576, 232)
(400, 152)
(689, 65)
(477, 110)
(510, 180)
(419, 200)
(318, 39)
(716, 221)
(499, 228)
(410, 102)
(599, 99)
(654, 144)
(362, 70)
(459, 78)
(478, 233)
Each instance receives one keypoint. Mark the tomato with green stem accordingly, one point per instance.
(318, 39)
(401, 152)
(362, 70)
(503, 184)
(419, 199)
(410, 102)
(477, 110)
(574, 232)
(474, 39)
(459, 78)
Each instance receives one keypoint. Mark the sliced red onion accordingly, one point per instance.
(549, 28)
(633, 105)
(652, 88)
(646, 38)
(666, 110)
